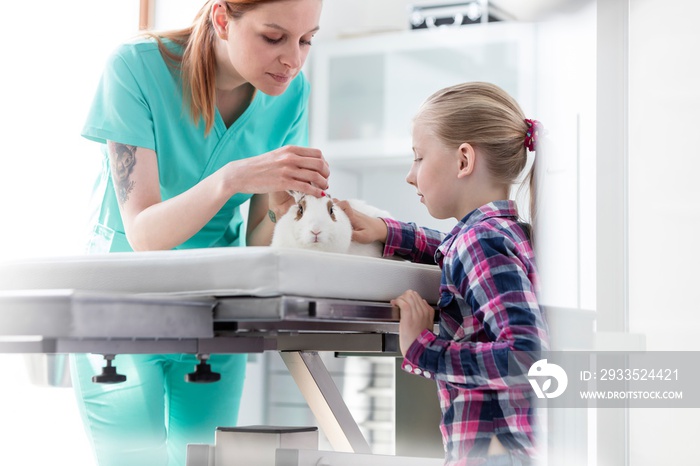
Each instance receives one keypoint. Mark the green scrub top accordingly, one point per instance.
(139, 102)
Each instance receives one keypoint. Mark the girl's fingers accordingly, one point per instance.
(416, 308)
(414, 299)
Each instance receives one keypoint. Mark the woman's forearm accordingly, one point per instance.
(169, 223)
(260, 234)
(260, 226)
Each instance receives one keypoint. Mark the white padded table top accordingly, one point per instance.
(227, 272)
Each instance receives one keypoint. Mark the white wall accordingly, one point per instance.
(664, 215)
(173, 14)
(664, 162)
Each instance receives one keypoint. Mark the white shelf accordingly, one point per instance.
(367, 89)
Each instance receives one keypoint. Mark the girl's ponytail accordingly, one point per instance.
(532, 144)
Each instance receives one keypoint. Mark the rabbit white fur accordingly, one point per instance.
(318, 224)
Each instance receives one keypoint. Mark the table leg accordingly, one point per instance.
(324, 399)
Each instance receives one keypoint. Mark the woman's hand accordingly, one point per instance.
(270, 176)
(416, 315)
(292, 168)
(365, 229)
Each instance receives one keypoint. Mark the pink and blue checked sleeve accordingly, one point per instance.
(411, 242)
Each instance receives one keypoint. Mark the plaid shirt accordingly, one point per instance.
(488, 310)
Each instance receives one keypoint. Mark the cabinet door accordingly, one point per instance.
(366, 90)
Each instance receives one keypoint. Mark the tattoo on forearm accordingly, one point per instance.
(122, 160)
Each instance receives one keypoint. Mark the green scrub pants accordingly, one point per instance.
(150, 418)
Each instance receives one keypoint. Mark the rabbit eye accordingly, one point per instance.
(300, 210)
(331, 210)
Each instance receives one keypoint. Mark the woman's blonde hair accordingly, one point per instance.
(487, 117)
(197, 64)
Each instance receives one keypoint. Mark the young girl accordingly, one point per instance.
(470, 144)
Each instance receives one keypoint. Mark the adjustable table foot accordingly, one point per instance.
(202, 372)
(109, 373)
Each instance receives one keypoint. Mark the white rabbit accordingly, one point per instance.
(318, 224)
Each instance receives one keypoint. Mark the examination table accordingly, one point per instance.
(228, 300)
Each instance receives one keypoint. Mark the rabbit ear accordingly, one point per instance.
(298, 196)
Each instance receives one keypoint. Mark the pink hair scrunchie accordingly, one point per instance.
(532, 134)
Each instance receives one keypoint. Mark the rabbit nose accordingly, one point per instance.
(315, 233)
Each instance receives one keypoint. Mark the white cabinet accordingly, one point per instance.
(367, 89)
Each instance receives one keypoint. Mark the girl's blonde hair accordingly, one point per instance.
(197, 64)
(488, 118)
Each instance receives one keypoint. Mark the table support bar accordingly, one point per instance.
(324, 399)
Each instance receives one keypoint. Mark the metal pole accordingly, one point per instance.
(325, 401)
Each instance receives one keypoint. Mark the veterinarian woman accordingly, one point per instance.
(191, 124)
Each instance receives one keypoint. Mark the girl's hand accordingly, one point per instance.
(416, 315)
(292, 168)
(365, 229)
